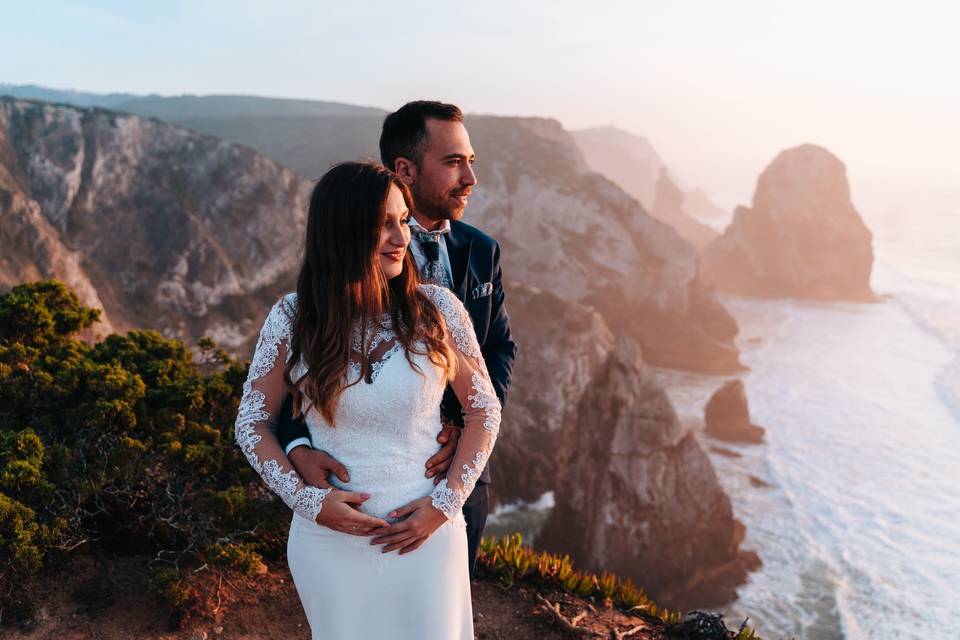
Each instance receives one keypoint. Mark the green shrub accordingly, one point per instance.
(127, 442)
(166, 583)
(241, 558)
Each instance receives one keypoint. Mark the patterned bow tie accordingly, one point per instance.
(433, 270)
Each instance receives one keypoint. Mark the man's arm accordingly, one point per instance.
(313, 466)
(499, 349)
(291, 432)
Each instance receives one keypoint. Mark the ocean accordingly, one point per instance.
(854, 500)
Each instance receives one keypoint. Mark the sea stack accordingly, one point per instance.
(727, 415)
(802, 238)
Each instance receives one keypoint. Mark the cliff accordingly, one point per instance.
(572, 232)
(193, 235)
(644, 496)
(668, 205)
(158, 226)
(588, 421)
(635, 166)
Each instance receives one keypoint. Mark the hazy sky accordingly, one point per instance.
(718, 87)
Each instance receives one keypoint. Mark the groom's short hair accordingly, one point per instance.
(404, 132)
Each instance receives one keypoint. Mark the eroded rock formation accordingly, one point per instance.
(801, 238)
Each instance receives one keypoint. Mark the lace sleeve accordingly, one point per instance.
(263, 394)
(481, 408)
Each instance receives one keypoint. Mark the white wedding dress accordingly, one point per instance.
(386, 429)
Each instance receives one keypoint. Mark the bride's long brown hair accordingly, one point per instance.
(342, 285)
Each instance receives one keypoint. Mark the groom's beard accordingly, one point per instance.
(442, 207)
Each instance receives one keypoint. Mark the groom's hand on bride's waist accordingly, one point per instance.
(439, 462)
(420, 520)
(315, 466)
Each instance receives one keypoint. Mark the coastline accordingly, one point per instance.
(848, 393)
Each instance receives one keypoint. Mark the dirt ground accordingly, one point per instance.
(106, 598)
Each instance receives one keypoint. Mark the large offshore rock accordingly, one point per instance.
(801, 238)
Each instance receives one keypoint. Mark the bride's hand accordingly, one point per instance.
(421, 520)
(341, 512)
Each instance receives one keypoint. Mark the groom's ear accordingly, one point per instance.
(406, 170)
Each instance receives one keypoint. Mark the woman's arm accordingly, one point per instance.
(263, 395)
(481, 408)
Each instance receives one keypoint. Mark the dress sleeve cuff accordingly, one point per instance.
(446, 500)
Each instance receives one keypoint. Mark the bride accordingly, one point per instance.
(366, 352)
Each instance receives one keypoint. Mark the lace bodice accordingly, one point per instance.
(386, 425)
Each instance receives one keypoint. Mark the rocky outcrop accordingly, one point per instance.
(727, 415)
(563, 228)
(801, 238)
(634, 491)
(563, 344)
(638, 496)
(632, 162)
(572, 232)
(668, 206)
(159, 226)
(213, 229)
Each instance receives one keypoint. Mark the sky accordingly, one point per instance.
(719, 88)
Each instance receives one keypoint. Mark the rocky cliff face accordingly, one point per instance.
(627, 159)
(562, 344)
(634, 491)
(170, 229)
(159, 226)
(177, 230)
(31, 248)
(639, 497)
(668, 205)
(570, 231)
(801, 238)
(635, 166)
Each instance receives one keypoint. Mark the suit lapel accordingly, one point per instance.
(458, 248)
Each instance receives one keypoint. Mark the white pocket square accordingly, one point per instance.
(481, 291)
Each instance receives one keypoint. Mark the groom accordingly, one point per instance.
(427, 146)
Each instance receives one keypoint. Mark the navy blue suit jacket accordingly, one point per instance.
(475, 261)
